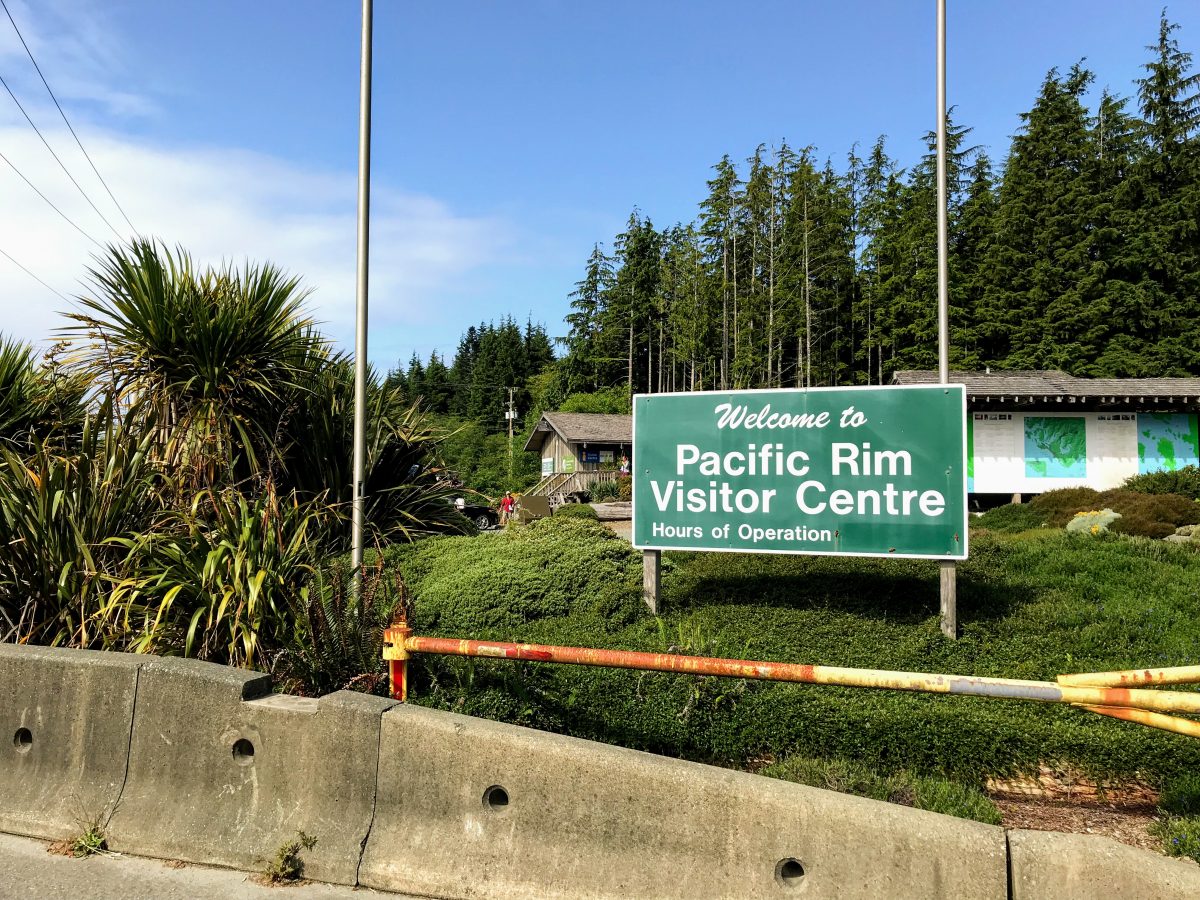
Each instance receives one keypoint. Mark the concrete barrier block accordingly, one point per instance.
(65, 717)
(1046, 865)
(222, 772)
(472, 808)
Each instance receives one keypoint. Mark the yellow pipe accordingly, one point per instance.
(1154, 720)
(1175, 675)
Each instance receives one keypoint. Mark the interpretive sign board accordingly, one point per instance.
(868, 471)
(1033, 452)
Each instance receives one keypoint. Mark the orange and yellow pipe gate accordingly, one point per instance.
(1122, 695)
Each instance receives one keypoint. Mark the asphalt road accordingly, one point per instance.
(27, 870)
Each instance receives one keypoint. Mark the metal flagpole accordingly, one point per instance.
(949, 574)
(360, 330)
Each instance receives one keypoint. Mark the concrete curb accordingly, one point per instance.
(66, 717)
(473, 808)
(1047, 865)
(222, 772)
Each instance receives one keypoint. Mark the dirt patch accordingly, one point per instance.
(621, 527)
(1127, 823)
(62, 848)
(1060, 800)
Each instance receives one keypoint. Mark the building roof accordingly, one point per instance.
(1046, 383)
(579, 428)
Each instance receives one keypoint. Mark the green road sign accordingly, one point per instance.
(868, 471)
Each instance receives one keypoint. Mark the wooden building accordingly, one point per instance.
(1035, 431)
(578, 450)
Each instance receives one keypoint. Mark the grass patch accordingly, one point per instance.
(922, 792)
(90, 841)
(1180, 836)
(288, 865)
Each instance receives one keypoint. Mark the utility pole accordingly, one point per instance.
(358, 509)
(511, 415)
(949, 573)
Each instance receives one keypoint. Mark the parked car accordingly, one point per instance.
(484, 517)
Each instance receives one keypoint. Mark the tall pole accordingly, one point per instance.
(943, 265)
(358, 511)
(948, 573)
(510, 416)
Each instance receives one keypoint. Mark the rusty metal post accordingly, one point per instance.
(395, 651)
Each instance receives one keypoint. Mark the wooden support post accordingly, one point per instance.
(651, 578)
(949, 578)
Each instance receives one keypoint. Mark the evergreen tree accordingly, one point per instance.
(970, 244)
(436, 386)
(1165, 196)
(1044, 307)
(539, 352)
(717, 218)
(582, 364)
(414, 379)
(462, 370)
(629, 311)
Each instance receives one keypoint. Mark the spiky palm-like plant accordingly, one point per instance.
(406, 496)
(37, 400)
(214, 353)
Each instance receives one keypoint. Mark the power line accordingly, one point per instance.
(61, 165)
(34, 277)
(64, 116)
(47, 199)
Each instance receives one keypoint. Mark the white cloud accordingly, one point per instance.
(219, 203)
(227, 204)
(77, 48)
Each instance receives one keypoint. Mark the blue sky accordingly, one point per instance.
(509, 137)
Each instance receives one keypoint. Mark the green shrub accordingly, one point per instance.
(1180, 836)
(1150, 515)
(610, 400)
(605, 490)
(1030, 607)
(216, 581)
(1185, 481)
(59, 513)
(1146, 515)
(576, 511)
(1011, 517)
(922, 792)
(625, 488)
(338, 632)
(493, 583)
(1181, 795)
(1057, 507)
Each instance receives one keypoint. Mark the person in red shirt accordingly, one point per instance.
(506, 507)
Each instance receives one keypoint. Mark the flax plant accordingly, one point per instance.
(58, 510)
(214, 581)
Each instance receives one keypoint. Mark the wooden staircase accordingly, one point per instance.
(559, 486)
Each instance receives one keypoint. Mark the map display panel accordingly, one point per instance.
(1055, 447)
(1166, 442)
